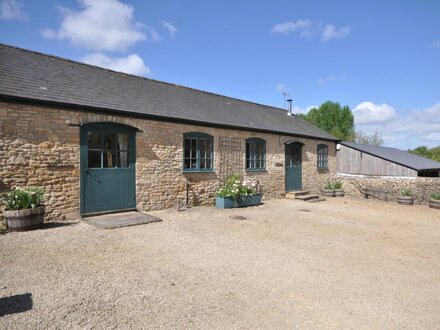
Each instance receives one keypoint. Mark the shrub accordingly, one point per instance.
(20, 199)
(436, 197)
(235, 188)
(329, 186)
(406, 192)
(337, 185)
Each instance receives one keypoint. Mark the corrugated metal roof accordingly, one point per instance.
(39, 77)
(397, 156)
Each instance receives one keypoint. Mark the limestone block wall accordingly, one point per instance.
(40, 146)
(388, 188)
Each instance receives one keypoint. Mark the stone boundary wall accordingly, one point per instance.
(39, 146)
(388, 188)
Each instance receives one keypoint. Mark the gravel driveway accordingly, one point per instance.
(344, 263)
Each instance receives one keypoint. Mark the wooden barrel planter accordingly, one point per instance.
(434, 203)
(328, 192)
(22, 220)
(339, 193)
(405, 200)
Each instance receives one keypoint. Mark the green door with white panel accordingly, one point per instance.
(107, 168)
(293, 166)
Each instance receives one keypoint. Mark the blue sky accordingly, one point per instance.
(382, 58)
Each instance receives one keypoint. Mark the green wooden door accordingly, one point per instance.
(107, 168)
(293, 166)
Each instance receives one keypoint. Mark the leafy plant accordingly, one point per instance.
(406, 192)
(337, 185)
(21, 199)
(329, 186)
(234, 188)
(436, 197)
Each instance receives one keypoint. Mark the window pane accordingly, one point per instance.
(109, 158)
(94, 140)
(193, 148)
(208, 164)
(122, 142)
(187, 164)
(110, 141)
(202, 143)
(123, 159)
(202, 164)
(94, 159)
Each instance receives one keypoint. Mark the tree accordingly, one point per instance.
(374, 139)
(333, 119)
(423, 151)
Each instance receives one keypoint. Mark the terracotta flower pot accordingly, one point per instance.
(434, 203)
(405, 200)
(21, 220)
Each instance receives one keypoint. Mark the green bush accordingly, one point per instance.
(235, 188)
(21, 199)
(329, 186)
(337, 185)
(406, 192)
(436, 197)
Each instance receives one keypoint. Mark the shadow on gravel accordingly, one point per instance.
(50, 225)
(15, 304)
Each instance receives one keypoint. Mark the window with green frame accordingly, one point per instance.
(255, 154)
(197, 152)
(322, 156)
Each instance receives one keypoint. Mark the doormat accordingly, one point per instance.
(118, 220)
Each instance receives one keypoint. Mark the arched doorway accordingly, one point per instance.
(293, 166)
(107, 166)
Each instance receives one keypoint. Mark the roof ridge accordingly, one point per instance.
(136, 76)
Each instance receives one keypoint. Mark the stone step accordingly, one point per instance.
(306, 197)
(293, 194)
(316, 200)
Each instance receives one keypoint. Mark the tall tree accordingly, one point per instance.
(373, 139)
(334, 119)
(423, 151)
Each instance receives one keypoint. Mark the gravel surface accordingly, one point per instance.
(344, 263)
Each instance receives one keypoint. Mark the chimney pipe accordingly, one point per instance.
(289, 109)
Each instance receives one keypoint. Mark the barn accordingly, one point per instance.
(103, 141)
(386, 171)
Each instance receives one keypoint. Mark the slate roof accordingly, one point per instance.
(397, 156)
(28, 75)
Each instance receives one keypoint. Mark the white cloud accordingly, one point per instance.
(330, 78)
(308, 28)
(436, 44)
(100, 25)
(172, 30)
(12, 9)
(298, 110)
(132, 64)
(367, 113)
(290, 27)
(331, 32)
(415, 128)
(153, 35)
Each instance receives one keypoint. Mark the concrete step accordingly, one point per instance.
(316, 200)
(306, 197)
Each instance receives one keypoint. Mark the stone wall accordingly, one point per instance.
(40, 146)
(388, 188)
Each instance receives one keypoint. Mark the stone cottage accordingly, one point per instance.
(100, 141)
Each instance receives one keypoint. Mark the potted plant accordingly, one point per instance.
(405, 197)
(434, 202)
(339, 192)
(234, 193)
(23, 208)
(329, 190)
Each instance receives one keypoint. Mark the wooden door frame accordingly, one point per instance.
(288, 144)
(104, 127)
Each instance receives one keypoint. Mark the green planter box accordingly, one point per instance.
(229, 202)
